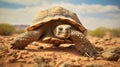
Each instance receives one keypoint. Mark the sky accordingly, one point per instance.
(92, 13)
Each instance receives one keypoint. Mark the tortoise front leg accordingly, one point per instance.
(82, 44)
(26, 38)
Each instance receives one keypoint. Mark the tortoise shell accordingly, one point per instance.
(57, 14)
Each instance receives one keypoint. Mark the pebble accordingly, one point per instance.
(24, 52)
(35, 43)
(41, 62)
(66, 64)
(99, 58)
(39, 59)
(21, 60)
(40, 47)
(110, 56)
(93, 65)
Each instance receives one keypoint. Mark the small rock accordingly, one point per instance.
(21, 60)
(67, 64)
(99, 58)
(39, 59)
(93, 65)
(40, 47)
(24, 52)
(41, 62)
(35, 43)
(110, 56)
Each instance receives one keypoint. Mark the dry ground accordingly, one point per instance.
(55, 57)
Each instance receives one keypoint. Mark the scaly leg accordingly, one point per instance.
(82, 44)
(26, 38)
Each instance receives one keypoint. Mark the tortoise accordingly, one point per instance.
(56, 25)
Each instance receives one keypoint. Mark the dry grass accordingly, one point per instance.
(101, 32)
(6, 29)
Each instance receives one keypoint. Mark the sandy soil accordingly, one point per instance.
(55, 57)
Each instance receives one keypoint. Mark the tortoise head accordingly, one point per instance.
(62, 31)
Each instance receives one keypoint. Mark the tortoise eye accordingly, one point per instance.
(60, 28)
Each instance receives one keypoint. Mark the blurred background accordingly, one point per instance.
(98, 16)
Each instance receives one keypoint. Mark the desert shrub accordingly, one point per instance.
(19, 31)
(115, 32)
(6, 29)
(99, 32)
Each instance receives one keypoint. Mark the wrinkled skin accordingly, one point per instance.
(63, 31)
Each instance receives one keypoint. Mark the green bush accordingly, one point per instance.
(115, 32)
(6, 29)
(99, 32)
